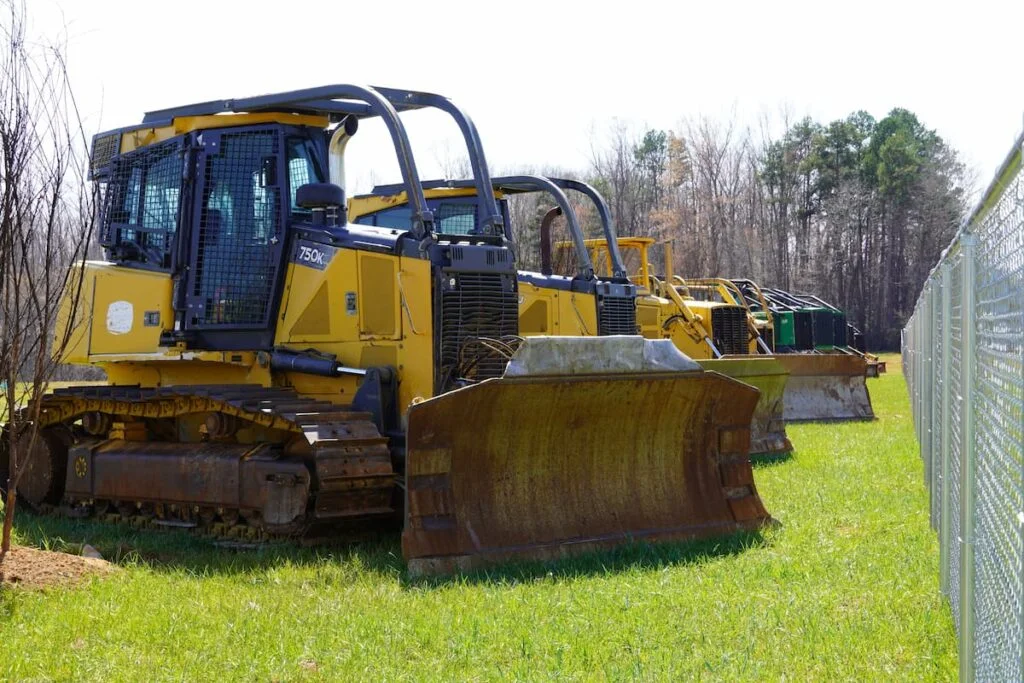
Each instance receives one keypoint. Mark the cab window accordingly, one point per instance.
(302, 169)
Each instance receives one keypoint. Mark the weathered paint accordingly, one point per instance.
(826, 387)
(768, 427)
(665, 459)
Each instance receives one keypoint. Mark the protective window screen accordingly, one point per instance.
(140, 204)
(238, 237)
(456, 219)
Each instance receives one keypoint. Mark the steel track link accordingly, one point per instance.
(352, 479)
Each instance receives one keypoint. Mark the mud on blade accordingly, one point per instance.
(542, 465)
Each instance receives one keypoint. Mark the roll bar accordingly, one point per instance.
(519, 184)
(605, 215)
(490, 217)
(336, 101)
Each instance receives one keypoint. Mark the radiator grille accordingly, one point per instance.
(729, 329)
(616, 315)
(475, 306)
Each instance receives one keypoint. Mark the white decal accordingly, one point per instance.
(119, 317)
(311, 255)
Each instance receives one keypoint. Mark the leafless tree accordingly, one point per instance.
(47, 220)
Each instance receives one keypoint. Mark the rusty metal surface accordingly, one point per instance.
(535, 467)
(826, 387)
(819, 364)
(320, 463)
(251, 480)
(768, 426)
(43, 457)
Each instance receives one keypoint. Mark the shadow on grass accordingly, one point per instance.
(173, 550)
(177, 550)
(628, 557)
(770, 460)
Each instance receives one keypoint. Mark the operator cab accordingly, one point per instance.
(221, 194)
(456, 213)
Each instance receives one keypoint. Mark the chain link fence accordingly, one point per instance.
(963, 358)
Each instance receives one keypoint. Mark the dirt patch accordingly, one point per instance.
(36, 569)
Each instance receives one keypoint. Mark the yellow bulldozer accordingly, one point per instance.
(823, 386)
(276, 370)
(595, 293)
(719, 335)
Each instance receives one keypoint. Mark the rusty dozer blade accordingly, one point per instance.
(769, 376)
(826, 387)
(584, 443)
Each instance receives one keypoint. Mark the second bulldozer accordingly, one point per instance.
(600, 296)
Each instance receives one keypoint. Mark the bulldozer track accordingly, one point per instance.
(351, 480)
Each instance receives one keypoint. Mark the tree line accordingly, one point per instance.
(855, 211)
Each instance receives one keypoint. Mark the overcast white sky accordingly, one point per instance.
(538, 77)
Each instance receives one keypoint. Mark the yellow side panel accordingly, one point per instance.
(555, 312)
(126, 312)
(74, 317)
(378, 355)
(703, 309)
(318, 306)
(535, 318)
(316, 318)
(538, 310)
(577, 314)
(416, 350)
(694, 348)
(354, 310)
(648, 317)
(378, 303)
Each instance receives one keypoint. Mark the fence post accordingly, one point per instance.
(945, 514)
(967, 463)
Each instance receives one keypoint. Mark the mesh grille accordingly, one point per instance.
(822, 323)
(237, 241)
(616, 315)
(956, 414)
(803, 330)
(995, 404)
(935, 465)
(104, 149)
(140, 203)
(475, 306)
(729, 329)
(999, 423)
(456, 219)
(840, 330)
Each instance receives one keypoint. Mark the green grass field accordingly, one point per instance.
(846, 588)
